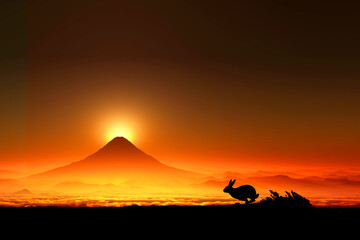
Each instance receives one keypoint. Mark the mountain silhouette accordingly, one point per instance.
(23, 192)
(119, 146)
(117, 162)
(121, 151)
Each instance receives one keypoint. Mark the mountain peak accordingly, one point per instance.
(119, 145)
(119, 140)
(24, 191)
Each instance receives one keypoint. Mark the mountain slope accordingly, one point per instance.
(117, 162)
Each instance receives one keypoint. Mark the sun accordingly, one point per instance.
(120, 132)
(113, 126)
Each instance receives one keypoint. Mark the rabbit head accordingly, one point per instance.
(229, 187)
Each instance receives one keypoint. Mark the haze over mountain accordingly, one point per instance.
(117, 162)
(121, 169)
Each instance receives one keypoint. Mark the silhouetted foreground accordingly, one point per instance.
(206, 221)
(232, 216)
(185, 222)
(243, 193)
(290, 200)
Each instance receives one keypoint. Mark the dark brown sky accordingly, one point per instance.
(201, 82)
(273, 34)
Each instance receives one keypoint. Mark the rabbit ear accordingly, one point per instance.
(233, 182)
(230, 182)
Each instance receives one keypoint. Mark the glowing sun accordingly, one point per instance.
(120, 132)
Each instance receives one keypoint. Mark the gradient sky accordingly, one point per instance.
(197, 84)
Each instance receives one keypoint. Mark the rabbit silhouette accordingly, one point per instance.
(242, 193)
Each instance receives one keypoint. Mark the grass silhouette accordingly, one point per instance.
(290, 200)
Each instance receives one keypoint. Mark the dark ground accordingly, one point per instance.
(184, 221)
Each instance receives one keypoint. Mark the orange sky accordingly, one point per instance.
(215, 87)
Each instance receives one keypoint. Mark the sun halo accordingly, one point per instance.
(120, 132)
